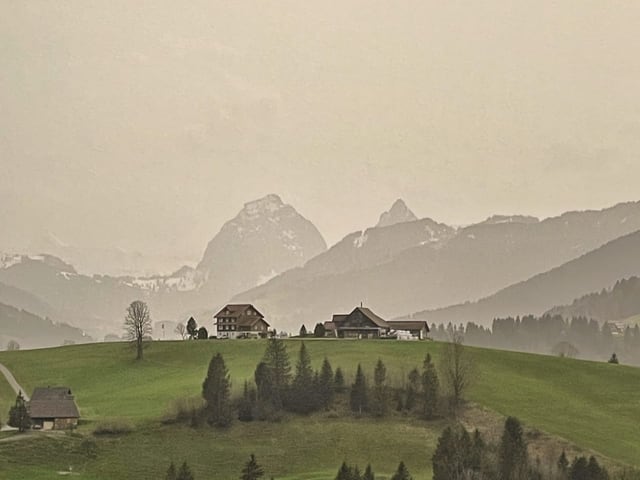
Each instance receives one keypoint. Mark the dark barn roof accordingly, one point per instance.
(239, 313)
(409, 324)
(53, 402)
(379, 321)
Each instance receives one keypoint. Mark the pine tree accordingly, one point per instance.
(303, 331)
(19, 415)
(185, 472)
(319, 331)
(359, 398)
(512, 453)
(413, 389)
(563, 464)
(245, 407)
(325, 384)
(355, 473)
(430, 388)
(302, 398)
(344, 472)
(277, 360)
(216, 390)
(192, 328)
(251, 470)
(171, 472)
(402, 473)
(379, 397)
(338, 381)
(368, 474)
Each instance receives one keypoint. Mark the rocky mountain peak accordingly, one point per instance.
(398, 213)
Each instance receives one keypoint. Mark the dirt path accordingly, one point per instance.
(13, 382)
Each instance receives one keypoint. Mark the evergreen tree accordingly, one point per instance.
(192, 328)
(338, 381)
(368, 474)
(563, 464)
(595, 471)
(262, 378)
(251, 470)
(379, 397)
(19, 415)
(302, 398)
(355, 473)
(202, 333)
(171, 472)
(325, 384)
(402, 473)
(303, 331)
(512, 453)
(413, 389)
(430, 388)
(319, 331)
(614, 358)
(478, 448)
(359, 398)
(245, 407)
(277, 360)
(579, 469)
(185, 472)
(216, 390)
(344, 472)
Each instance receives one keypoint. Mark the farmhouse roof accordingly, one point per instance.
(237, 310)
(408, 324)
(379, 321)
(53, 402)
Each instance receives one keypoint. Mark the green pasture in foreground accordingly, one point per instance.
(594, 405)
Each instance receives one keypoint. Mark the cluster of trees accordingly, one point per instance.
(251, 471)
(318, 332)
(191, 330)
(419, 394)
(550, 334)
(349, 472)
(461, 455)
(277, 387)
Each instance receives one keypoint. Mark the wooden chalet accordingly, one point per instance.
(53, 408)
(240, 321)
(364, 323)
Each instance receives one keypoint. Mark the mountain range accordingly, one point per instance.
(423, 264)
(270, 255)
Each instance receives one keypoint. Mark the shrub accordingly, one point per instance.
(182, 410)
(113, 427)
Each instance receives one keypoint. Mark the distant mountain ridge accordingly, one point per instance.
(590, 272)
(618, 302)
(32, 331)
(266, 238)
(463, 264)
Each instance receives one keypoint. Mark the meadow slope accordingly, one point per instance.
(593, 405)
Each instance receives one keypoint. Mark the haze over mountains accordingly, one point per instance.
(270, 255)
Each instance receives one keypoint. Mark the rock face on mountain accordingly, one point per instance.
(265, 239)
(398, 213)
(467, 264)
(591, 272)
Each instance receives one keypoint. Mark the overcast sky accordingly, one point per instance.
(146, 125)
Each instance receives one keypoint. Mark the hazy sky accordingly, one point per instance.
(146, 125)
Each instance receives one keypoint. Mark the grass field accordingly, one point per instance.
(594, 405)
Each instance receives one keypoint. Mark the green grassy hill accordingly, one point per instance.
(593, 405)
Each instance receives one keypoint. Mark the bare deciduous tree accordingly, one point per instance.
(456, 369)
(13, 345)
(137, 325)
(181, 330)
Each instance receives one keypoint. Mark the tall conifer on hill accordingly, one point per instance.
(359, 400)
(216, 391)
